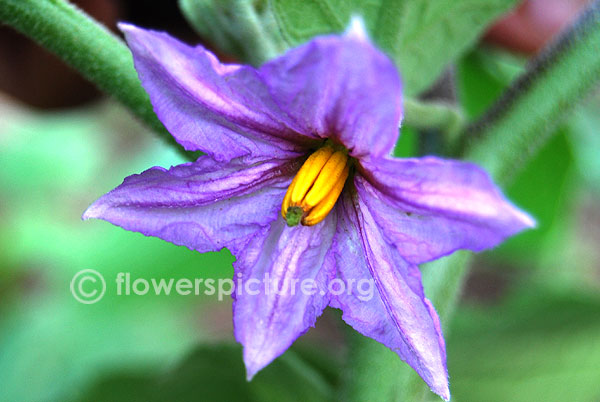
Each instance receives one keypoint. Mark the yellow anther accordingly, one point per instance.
(320, 211)
(327, 179)
(317, 186)
(309, 172)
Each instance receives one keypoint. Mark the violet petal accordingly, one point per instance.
(430, 207)
(398, 315)
(340, 87)
(223, 110)
(203, 205)
(267, 323)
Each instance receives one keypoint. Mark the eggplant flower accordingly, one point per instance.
(298, 183)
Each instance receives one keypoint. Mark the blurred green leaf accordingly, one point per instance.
(481, 77)
(244, 29)
(407, 143)
(539, 347)
(421, 36)
(585, 142)
(216, 373)
(52, 167)
(542, 189)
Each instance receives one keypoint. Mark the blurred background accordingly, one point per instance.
(527, 327)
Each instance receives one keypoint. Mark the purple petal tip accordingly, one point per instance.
(527, 219)
(253, 365)
(445, 393)
(440, 386)
(94, 211)
(125, 26)
(356, 28)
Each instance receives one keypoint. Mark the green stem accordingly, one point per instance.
(433, 115)
(531, 109)
(88, 47)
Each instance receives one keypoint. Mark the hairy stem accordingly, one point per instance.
(531, 109)
(87, 46)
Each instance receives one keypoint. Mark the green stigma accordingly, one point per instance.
(293, 216)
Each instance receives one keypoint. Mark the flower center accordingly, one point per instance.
(316, 187)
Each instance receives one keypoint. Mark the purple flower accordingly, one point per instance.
(337, 101)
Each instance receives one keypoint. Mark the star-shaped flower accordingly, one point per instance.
(298, 183)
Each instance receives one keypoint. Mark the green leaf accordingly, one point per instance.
(217, 374)
(422, 36)
(406, 146)
(55, 166)
(541, 189)
(585, 142)
(538, 347)
(243, 28)
(482, 76)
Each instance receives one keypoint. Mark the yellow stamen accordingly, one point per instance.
(320, 211)
(309, 172)
(317, 186)
(327, 179)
